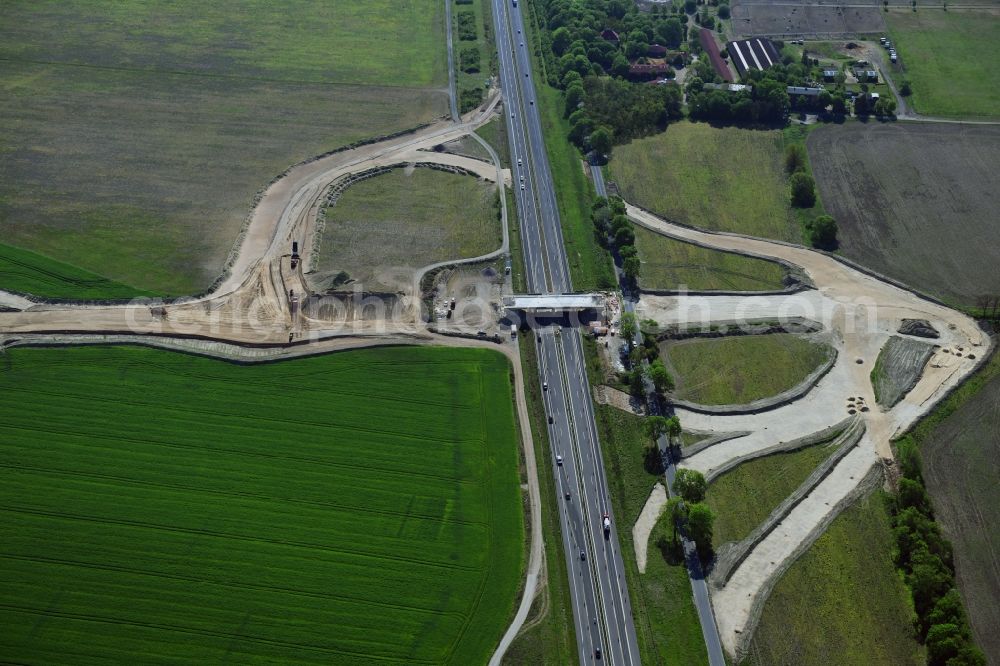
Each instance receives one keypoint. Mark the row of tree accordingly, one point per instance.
(924, 557)
(687, 510)
(615, 232)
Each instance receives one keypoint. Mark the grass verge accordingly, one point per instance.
(672, 264)
(740, 369)
(549, 636)
(841, 602)
(744, 497)
(251, 509)
(666, 621)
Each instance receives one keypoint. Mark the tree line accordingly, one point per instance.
(924, 557)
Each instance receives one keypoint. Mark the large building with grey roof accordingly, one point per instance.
(753, 53)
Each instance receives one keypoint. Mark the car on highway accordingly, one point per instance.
(558, 461)
(597, 653)
(567, 494)
(583, 555)
(550, 418)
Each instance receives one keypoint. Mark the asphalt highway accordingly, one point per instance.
(699, 588)
(601, 609)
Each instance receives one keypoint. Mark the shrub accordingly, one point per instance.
(803, 190)
(469, 98)
(470, 59)
(822, 232)
(795, 158)
(466, 26)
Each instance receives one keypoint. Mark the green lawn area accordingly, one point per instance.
(135, 135)
(665, 618)
(407, 218)
(165, 507)
(736, 370)
(26, 272)
(744, 497)
(942, 53)
(842, 601)
(726, 179)
(671, 264)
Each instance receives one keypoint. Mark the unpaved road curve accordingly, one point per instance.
(859, 313)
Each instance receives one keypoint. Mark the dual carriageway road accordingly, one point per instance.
(601, 609)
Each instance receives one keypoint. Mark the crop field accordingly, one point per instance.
(727, 179)
(662, 606)
(740, 369)
(744, 497)
(915, 201)
(940, 54)
(27, 272)
(842, 601)
(672, 264)
(136, 135)
(808, 18)
(405, 219)
(960, 443)
(362, 506)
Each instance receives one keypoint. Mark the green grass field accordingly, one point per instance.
(672, 264)
(362, 506)
(407, 218)
(727, 179)
(665, 618)
(26, 272)
(841, 602)
(136, 135)
(744, 497)
(740, 369)
(941, 53)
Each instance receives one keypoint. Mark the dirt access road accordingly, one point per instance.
(252, 304)
(859, 313)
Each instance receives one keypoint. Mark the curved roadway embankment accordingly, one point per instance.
(860, 312)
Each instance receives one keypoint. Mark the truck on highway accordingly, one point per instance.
(514, 2)
(607, 526)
